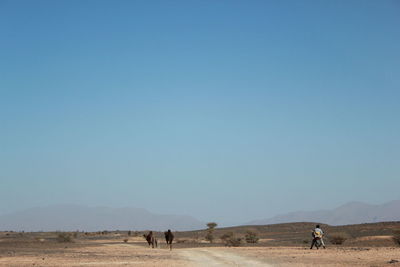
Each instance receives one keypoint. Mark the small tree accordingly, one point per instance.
(251, 237)
(210, 231)
(212, 225)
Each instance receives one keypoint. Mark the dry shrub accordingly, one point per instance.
(126, 240)
(396, 237)
(231, 240)
(337, 239)
(251, 237)
(64, 237)
(209, 236)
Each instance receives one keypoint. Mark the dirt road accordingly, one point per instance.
(217, 257)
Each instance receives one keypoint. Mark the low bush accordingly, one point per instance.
(231, 240)
(251, 237)
(396, 237)
(64, 237)
(337, 239)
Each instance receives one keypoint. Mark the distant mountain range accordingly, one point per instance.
(350, 213)
(75, 217)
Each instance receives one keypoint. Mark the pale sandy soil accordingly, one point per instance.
(117, 253)
(218, 257)
(332, 256)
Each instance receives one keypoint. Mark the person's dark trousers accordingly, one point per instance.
(313, 242)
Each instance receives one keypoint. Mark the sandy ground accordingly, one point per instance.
(332, 256)
(117, 253)
(217, 257)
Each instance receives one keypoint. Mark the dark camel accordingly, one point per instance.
(151, 239)
(169, 237)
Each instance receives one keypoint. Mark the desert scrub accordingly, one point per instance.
(396, 237)
(337, 239)
(231, 240)
(251, 237)
(126, 240)
(64, 237)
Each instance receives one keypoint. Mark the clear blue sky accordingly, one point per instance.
(225, 110)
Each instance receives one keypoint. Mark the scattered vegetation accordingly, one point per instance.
(396, 237)
(210, 231)
(231, 240)
(64, 237)
(337, 239)
(251, 237)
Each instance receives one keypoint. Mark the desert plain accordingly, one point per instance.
(278, 245)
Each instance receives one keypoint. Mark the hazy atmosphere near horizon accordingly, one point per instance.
(227, 111)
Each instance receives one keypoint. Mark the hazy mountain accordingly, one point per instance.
(75, 217)
(350, 213)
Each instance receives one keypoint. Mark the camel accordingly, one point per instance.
(151, 239)
(169, 237)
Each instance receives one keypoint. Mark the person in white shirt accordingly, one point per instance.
(317, 234)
